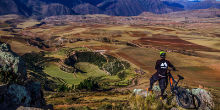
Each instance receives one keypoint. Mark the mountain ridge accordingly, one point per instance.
(45, 8)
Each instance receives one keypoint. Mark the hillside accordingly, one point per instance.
(97, 61)
(44, 8)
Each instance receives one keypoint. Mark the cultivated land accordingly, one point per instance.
(192, 43)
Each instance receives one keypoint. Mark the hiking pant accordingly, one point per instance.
(163, 82)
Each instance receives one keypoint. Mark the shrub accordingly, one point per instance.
(8, 77)
(68, 51)
(71, 61)
(71, 99)
(125, 64)
(122, 75)
(114, 67)
(32, 60)
(106, 39)
(90, 84)
(106, 107)
(63, 88)
(35, 61)
(91, 57)
(135, 82)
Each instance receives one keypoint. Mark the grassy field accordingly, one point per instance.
(83, 100)
(28, 23)
(90, 69)
(211, 42)
(22, 48)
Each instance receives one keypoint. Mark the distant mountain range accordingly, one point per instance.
(44, 8)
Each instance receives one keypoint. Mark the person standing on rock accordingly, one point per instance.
(161, 75)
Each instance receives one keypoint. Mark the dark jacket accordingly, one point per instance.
(162, 66)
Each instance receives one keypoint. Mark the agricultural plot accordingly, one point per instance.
(75, 78)
(194, 48)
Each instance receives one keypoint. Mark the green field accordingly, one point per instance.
(90, 69)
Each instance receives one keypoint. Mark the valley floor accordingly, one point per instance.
(193, 47)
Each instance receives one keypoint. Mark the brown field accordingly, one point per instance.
(172, 42)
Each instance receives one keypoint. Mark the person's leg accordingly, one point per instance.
(153, 79)
(163, 85)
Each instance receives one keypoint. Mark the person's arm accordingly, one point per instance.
(157, 66)
(171, 65)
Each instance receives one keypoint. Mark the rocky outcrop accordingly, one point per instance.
(87, 9)
(19, 91)
(55, 9)
(203, 98)
(10, 62)
(16, 95)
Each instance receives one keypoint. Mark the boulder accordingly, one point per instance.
(10, 62)
(140, 92)
(34, 89)
(17, 95)
(18, 91)
(205, 97)
(144, 93)
(28, 95)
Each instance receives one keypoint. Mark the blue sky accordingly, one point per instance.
(200, 0)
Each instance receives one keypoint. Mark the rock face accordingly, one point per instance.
(55, 9)
(204, 97)
(23, 92)
(44, 8)
(35, 8)
(87, 9)
(15, 95)
(136, 7)
(10, 62)
(36, 94)
(4, 7)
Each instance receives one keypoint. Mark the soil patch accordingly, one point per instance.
(134, 61)
(165, 29)
(102, 47)
(172, 42)
(138, 34)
